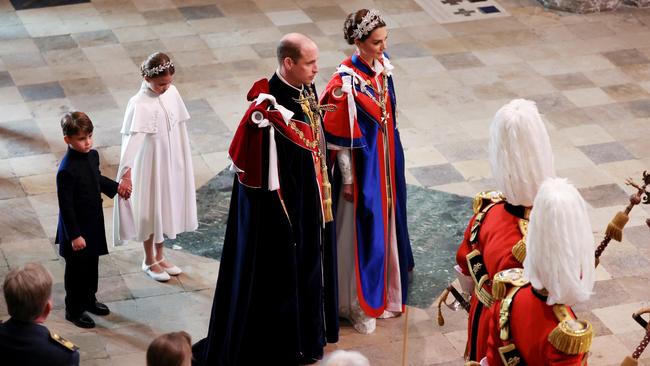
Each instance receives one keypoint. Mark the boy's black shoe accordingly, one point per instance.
(82, 321)
(98, 309)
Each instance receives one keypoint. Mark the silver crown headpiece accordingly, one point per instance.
(158, 69)
(367, 24)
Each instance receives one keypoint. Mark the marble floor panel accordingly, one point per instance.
(589, 74)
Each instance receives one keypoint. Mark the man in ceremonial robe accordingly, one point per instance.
(275, 301)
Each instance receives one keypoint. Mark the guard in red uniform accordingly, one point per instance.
(521, 158)
(532, 324)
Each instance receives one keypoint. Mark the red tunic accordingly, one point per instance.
(531, 321)
(498, 233)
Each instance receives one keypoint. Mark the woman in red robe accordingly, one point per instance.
(374, 251)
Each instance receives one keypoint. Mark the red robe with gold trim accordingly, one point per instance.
(531, 321)
(498, 233)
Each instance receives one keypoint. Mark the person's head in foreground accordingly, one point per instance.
(28, 293)
(170, 349)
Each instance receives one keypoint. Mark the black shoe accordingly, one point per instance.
(82, 321)
(98, 309)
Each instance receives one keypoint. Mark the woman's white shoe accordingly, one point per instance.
(160, 277)
(173, 270)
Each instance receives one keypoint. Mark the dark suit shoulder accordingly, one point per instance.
(26, 344)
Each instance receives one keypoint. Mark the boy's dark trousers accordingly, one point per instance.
(80, 280)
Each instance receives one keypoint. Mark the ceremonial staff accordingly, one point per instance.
(632, 361)
(615, 227)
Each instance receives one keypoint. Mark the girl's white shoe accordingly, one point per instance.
(173, 270)
(160, 277)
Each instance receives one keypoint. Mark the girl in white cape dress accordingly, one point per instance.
(156, 160)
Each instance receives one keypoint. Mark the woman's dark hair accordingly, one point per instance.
(352, 22)
(157, 64)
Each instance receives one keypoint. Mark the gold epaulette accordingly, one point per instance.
(519, 249)
(62, 341)
(570, 336)
(504, 313)
(483, 199)
(483, 202)
(513, 277)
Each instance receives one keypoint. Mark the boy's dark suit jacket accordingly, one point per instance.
(79, 185)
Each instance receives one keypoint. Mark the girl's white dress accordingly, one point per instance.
(155, 145)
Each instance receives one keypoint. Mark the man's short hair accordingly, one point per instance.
(288, 48)
(74, 122)
(27, 290)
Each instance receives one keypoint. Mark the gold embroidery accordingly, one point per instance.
(312, 111)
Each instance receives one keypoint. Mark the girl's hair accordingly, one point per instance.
(354, 21)
(157, 64)
(170, 349)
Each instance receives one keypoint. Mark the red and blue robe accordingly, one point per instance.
(380, 217)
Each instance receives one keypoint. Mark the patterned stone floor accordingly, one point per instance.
(590, 75)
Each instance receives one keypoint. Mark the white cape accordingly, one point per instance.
(155, 145)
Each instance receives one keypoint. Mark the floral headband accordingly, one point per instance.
(157, 70)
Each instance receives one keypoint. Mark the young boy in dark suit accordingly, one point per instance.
(80, 232)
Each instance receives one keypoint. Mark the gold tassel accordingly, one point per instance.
(327, 188)
(443, 298)
(615, 227)
(567, 339)
(519, 251)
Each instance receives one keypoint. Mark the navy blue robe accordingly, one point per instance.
(276, 296)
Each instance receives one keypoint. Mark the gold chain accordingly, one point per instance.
(312, 144)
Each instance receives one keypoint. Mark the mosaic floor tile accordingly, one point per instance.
(570, 81)
(553, 102)
(19, 221)
(5, 79)
(453, 61)
(604, 195)
(434, 175)
(626, 57)
(606, 152)
(95, 38)
(625, 92)
(200, 12)
(239, 8)
(55, 43)
(41, 91)
(289, 17)
(639, 108)
(588, 97)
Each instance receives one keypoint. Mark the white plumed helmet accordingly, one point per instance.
(520, 151)
(560, 244)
